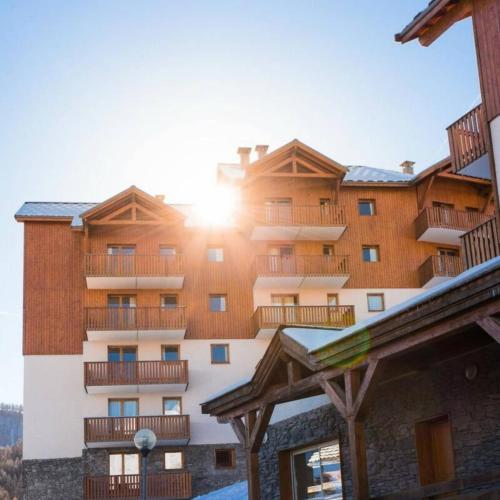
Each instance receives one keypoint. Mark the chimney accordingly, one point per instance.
(261, 150)
(407, 167)
(160, 197)
(244, 156)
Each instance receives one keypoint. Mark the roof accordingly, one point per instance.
(358, 173)
(54, 209)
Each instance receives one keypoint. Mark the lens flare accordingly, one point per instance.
(216, 207)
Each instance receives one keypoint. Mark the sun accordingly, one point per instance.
(216, 207)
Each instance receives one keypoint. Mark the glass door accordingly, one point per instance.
(281, 259)
(122, 313)
(121, 260)
(123, 366)
(278, 211)
(287, 313)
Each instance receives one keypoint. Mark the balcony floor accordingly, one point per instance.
(444, 236)
(109, 335)
(264, 282)
(436, 280)
(134, 282)
(327, 233)
(136, 389)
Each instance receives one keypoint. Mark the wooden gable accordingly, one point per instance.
(295, 159)
(132, 206)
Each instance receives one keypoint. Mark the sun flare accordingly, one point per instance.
(217, 207)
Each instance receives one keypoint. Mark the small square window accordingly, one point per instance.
(325, 202)
(219, 353)
(172, 406)
(217, 303)
(173, 460)
(328, 250)
(168, 251)
(225, 458)
(169, 301)
(170, 353)
(333, 299)
(371, 254)
(366, 207)
(375, 302)
(215, 254)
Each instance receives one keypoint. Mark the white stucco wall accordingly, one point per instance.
(495, 139)
(53, 397)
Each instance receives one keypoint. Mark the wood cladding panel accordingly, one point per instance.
(486, 20)
(53, 289)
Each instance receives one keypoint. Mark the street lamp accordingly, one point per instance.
(145, 441)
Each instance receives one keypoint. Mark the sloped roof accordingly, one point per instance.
(359, 173)
(64, 210)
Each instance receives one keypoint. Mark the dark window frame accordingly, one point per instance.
(381, 295)
(228, 358)
(232, 455)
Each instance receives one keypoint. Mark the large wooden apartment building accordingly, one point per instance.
(134, 313)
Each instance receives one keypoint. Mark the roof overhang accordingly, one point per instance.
(433, 21)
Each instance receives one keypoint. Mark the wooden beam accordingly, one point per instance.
(491, 326)
(366, 390)
(488, 200)
(336, 395)
(239, 429)
(425, 194)
(293, 372)
(260, 428)
(252, 458)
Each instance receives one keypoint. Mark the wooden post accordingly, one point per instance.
(252, 458)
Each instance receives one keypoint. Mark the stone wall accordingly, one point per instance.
(54, 479)
(472, 406)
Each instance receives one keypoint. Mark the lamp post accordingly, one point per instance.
(145, 441)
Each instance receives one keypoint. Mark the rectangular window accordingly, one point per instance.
(451, 252)
(435, 450)
(328, 250)
(123, 407)
(174, 460)
(219, 353)
(170, 353)
(441, 204)
(316, 472)
(123, 463)
(215, 254)
(471, 209)
(325, 202)
(371, 254)
(122, 353)
(121, 249)
(169, 301)
(168, 251)
(172, 406)
(332, 299)
(375, 302)
(121, 301)
(366, 207)
(225, 458)
(217, 303)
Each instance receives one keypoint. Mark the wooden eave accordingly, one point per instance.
(297, 154)
(432, 22)
(373, 184)
(41, 218)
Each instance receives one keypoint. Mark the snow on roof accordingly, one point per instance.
(309, 339)
(236, 491)
(53, 209)
(358, 173)
(229, 388)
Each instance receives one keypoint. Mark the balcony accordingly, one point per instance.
(467, 139)
(482, 243)
(129, 272)
(102, 432)
(160, 486)
(268, 318)
(439, 268)
(445, 225)
(135, 323)
(295, 222)
(135, 376)
(301, 271)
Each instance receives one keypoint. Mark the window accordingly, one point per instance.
(284, 300)
(371, 254)
(170, 353)
(434, 450)
(440, 204)
(332, 299)
(168, 251)
(122, 353)
(123, 463)
(172, 406)
(471, 209)
(121, 301)
(122, 313)
(375, 302)
(316, 472)
(328, 250)
(174, 460)
(217, 303)
(325, 201)
(450, 252)
(366, 207)
(123, 407)
(215, 254)
(220, 353)
(169, 301)
(225, 458)
(121, 249)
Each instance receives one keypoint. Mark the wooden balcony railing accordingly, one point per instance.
(467, 138)
(302, 265)
(135, 318)
(296, 215)
(164, 485)
(123, 429)
(133, 265)
(448, 218)
(482, 243)
(273, 316)
(135, 372)
(440, 265)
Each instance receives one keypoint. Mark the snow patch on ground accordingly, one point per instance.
(237, 491)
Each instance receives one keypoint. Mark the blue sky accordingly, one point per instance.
(96, 96)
